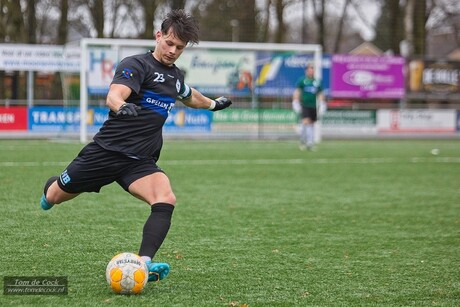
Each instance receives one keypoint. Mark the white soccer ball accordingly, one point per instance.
(435, 151)
(127, 273)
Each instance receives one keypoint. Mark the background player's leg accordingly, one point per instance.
(303, 135)
(310, 135)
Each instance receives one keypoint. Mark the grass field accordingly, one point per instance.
(357, 223)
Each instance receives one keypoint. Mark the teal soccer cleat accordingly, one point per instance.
(45, 204)
(157, 270)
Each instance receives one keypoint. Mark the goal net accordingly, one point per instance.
(259, 78)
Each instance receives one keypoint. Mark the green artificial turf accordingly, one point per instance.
(257, 223)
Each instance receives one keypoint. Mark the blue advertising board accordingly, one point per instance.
(185, 120)
(278, 72)
(64, 119)
(67, 119)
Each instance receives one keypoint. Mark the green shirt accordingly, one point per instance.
(309, 89)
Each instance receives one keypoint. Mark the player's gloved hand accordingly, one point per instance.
(296, 106)
(128, 109)
(220, 104)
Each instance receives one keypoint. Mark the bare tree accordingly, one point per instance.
(280, 32)
(15, 26)
(62, 27)
(177, 4)
(419, 27)
(61, 39)
(340, 26)
(389, 27)
(246, 17)
(409, 26)
(31, 22)
(96, 9)
(265, 22)
(14, 31)
(415, 18)
(226, 20)
(149, 18)
(450, 10)
(3, 22)
(319, 15)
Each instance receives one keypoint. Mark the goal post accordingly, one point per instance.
(214, 68)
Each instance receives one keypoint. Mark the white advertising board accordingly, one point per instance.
(24, 57)
(416, 121)
(219, 71)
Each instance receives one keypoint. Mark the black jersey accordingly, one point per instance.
(155, 88)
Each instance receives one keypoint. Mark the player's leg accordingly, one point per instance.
(303, 136)
(93, 168)
(307, 131)
(310, 135)
(155, 189)
(309, 122)
(303, 129)
(53, 194)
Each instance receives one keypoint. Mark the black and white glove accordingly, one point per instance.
(220, 104)
(128, 109)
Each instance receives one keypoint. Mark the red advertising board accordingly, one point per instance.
(13, 118)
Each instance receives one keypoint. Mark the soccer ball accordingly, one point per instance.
(127, 273)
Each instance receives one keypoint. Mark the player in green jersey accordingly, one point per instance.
(306, 96)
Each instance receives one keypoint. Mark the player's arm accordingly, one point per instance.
(116, 97)
(321, 96)
(197, 100)
(296, 106)
(296, 95)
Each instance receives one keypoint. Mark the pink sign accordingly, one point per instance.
(370, 77)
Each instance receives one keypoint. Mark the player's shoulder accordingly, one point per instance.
(178, 70)
(300, 80)
(137, 58)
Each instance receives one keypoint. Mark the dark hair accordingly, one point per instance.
(183, 25)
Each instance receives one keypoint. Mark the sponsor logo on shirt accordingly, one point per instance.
(158, 103)
(165, 105)
(127, 73)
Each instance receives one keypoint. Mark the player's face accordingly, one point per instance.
(168, 48)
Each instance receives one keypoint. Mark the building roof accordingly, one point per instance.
(366, 48)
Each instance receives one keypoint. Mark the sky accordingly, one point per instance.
(370, 10)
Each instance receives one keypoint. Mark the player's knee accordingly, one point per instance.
(170, 198)
(167, 197)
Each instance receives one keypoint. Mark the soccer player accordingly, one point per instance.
(308, 91)
(127, 147)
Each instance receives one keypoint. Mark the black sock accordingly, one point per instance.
(156, 228)
(49, 183)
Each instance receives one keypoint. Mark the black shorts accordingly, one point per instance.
(95, 167)
(309, 113)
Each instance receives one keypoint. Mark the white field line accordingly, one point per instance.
(264, 161)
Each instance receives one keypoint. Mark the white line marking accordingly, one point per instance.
(264, 161)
